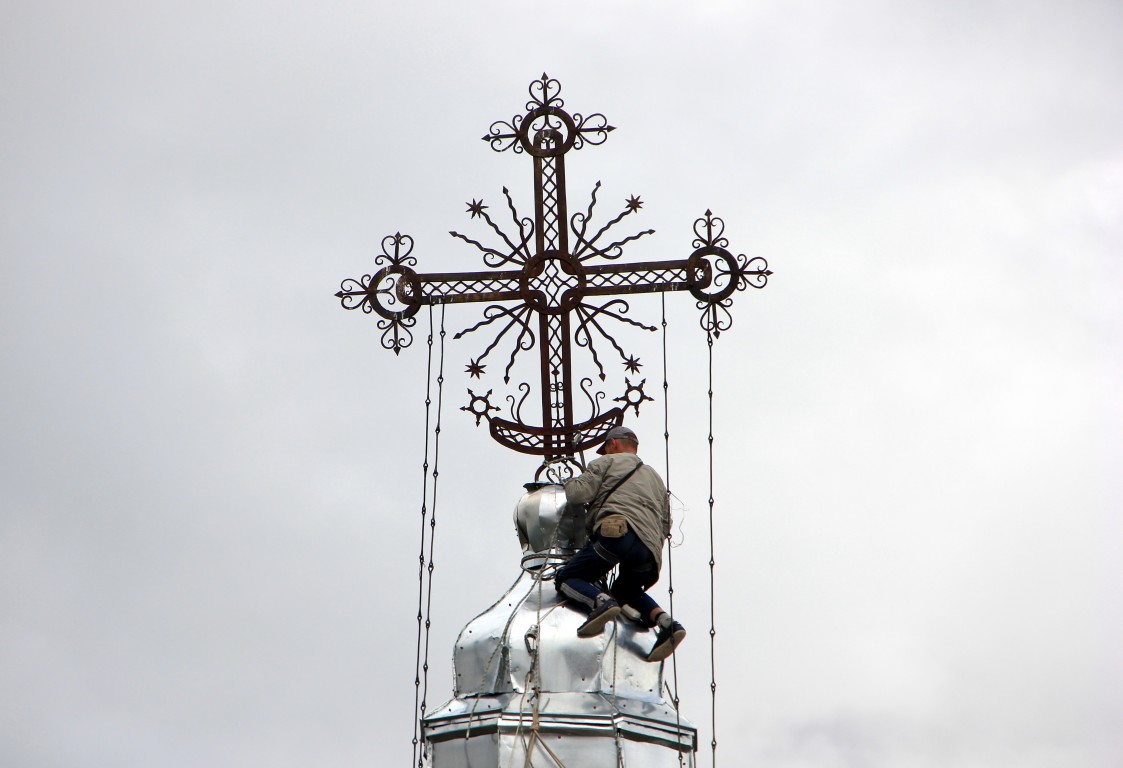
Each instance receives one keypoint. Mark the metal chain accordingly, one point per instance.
(416, 760)
(433, 521)
(670, 565)
(713, 630)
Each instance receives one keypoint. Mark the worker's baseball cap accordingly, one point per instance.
(616, 433)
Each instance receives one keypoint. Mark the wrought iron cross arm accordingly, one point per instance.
(461, 287)
(645, 277)
(396, 292)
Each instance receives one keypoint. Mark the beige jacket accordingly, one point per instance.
(642, 499)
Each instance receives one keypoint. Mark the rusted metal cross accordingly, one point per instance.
(543, 299)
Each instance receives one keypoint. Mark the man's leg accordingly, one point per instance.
(638, 573)
(630, 589)
(574, 581)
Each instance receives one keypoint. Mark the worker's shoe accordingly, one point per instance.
(666, 640)
(607, 610)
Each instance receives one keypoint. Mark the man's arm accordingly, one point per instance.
(584, 488)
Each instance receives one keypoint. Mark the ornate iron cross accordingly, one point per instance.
(548, 296)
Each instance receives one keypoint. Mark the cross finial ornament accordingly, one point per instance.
(553, 280)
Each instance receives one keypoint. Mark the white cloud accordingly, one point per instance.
(210, 504)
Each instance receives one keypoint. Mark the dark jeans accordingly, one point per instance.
(638, 572)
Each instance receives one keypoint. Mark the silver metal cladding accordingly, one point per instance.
(524, 680)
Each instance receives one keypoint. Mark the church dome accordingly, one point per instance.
(521, 662)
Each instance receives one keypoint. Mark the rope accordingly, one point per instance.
(534, 675)
(421, 555)
(530, 683)
(534, 678)
(713, 630)
(433, 519)
(539, 576)
(536, 739)
(615, 701)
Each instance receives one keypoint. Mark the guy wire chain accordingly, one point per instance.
(713, 630)
(670, 566)
(421, 555)
(433, 516)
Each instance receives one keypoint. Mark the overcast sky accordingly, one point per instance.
(210, 478)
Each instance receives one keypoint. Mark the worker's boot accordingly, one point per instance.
(669, 636)
(607, 609)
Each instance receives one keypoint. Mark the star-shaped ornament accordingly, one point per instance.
(634, 203)
(476, 208)
(633, 364)
(633, 396)
(479, 406)
(475, 369)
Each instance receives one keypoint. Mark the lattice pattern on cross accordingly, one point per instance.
(548, 297)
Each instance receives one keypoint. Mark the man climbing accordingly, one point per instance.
(628, 515)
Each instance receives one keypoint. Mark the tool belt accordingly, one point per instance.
(613, 526)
